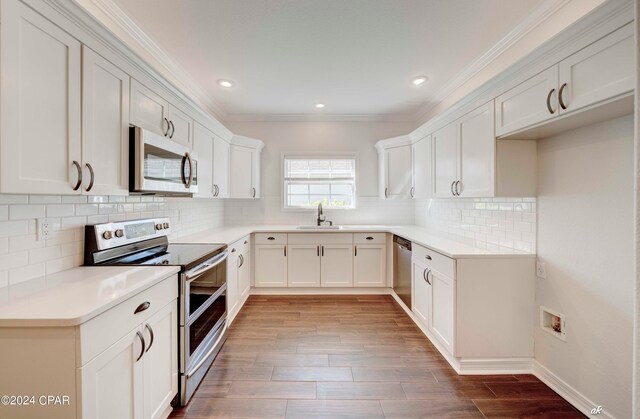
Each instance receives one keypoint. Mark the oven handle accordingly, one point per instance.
(193, 275)
(204, 358)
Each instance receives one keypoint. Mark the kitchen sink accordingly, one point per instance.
(319, 227)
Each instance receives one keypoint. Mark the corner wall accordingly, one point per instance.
(585, 237)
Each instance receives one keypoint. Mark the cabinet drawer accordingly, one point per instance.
(434, 260)
(243, 244)
(99, 333)
(370, 238)
(271, 238)
(320, 238)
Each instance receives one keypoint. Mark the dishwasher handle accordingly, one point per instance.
(404, 243)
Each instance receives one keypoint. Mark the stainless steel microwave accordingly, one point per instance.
(159, 166)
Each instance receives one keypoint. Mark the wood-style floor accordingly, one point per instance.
(351, 357)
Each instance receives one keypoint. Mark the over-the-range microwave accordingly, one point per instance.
(159, 166)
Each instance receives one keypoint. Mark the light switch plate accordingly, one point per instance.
(541, 270)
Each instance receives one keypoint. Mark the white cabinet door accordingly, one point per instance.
(303, 265)
(181, 126)
(398, 172)
(529, 103)
(40, 104)
(445, 160)
(242, 162)
(271, 266)
(442, 308)
(244, 276)
(421, 293)
(105, 126)
(477, 149)
(148, 109)
(602, 70)
(221, 159)
(233, 273)
(203, 141)
(421, 163)
(112, 383)
(370, 265)
(159, 361)
(336, 266)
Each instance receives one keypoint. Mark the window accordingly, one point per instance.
(309, 181)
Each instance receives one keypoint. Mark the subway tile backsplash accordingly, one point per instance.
(483, 222)
(22, 257)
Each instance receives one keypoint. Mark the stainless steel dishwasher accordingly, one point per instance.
(402, 269)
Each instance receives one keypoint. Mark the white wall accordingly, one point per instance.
(318, 137)
(585, 236)
(22, 257)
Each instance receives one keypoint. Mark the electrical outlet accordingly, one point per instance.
(541, 270)
(43, 226)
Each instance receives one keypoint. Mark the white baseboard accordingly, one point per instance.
(570, 394)
(321, 291)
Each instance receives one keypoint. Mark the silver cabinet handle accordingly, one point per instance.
(411, 192)
(92, 176)
(79, 169)
(551, 110)
(173, 129)
(458, 183)
(241, 260)
(453, 183)
(150, 335)
(424, 275)
(428, 273)
(168, 127)
(185, 180)
(217, 192)
(143, 345)
(386, 192)
(253, 192)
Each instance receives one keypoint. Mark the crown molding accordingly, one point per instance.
(145, 43)
(319, 117)
(247, 142)
(533, 20)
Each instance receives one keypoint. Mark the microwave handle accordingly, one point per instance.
(187, 182)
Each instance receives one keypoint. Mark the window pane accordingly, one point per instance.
(298, 200)
(322, 188)
(308, 181)
(298, 189)
(341, 189)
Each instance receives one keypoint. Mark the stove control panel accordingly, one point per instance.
(110, 235)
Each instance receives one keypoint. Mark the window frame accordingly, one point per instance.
(314, 156)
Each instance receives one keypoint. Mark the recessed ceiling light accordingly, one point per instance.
(319, 105)
(417, 81)
(226, 83)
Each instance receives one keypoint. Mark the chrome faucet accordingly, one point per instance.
(321, 217)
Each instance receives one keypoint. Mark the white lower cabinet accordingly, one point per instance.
(233, 264)
(441, 296)
(238, 276)
(303, 265)
(336, 265)
(421, 292)
(244, 274)
(271, 265)
(369, 265)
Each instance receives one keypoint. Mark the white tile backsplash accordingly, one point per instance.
(22, 257)
(268, 210)
(506, 222)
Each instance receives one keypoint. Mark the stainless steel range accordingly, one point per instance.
(202, 285)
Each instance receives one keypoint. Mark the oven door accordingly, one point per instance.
(160, 165)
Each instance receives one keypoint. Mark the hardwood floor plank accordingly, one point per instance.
(547, 409)
(522, 390)
(360, 391)
(311, 374)
(271, 390)
(238, 408)
(292, 360)
(334, 409)
(454, 409)
(213, 389)
(393, 374)
(239, 373)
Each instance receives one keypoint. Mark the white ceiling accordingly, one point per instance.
(357, 56)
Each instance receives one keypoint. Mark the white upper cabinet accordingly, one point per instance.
(445, 161)
(105, 126)
(245, 161)
(149, 110)
(40, 139)
(601, 71)
(395, 168)
(421, 164)
(181, 126)
(221, 161)
(529, 103)
(203, 145)
(477, 151)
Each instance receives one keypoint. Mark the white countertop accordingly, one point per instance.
(72, 297)
(415, 234)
